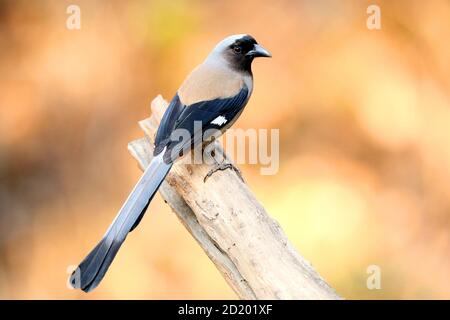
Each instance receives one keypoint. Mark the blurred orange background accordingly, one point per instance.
(364, 120)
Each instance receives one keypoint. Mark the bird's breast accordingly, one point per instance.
(208, 83)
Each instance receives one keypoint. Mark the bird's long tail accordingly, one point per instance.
(93, 268)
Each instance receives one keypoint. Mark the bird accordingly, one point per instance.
(214, 94)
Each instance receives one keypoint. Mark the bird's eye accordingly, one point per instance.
(237, 49)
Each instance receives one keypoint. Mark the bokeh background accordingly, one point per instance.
(364, 120)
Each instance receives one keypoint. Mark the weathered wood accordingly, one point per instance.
(247, 246)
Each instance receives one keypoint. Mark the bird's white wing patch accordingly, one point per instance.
(220, 120)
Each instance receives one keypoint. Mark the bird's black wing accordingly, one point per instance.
(212, 114)
(168, 121)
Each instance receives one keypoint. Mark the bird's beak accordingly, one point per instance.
(259, 51)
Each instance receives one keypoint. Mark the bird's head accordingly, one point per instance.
(239, 51)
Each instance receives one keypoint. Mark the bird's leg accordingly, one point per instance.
(221, 162)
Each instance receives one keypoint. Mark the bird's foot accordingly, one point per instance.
(223, 166)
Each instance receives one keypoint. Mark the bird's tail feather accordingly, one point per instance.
(93, 268)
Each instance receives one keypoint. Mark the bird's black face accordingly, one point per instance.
(242, 51)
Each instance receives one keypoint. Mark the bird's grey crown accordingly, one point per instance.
(228, 41)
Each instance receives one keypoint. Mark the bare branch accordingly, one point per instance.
(247, 246)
